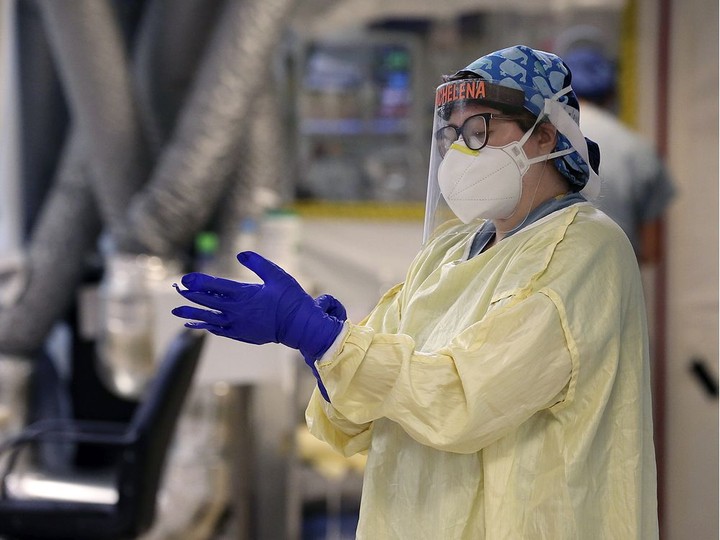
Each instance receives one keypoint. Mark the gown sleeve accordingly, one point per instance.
(324, 421)
(486, 381)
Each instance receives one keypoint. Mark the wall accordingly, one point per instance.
(691, 443)
(687, 125)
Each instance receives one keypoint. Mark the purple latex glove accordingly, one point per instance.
(276, 311)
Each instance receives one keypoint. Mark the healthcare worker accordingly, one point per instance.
(502, 391)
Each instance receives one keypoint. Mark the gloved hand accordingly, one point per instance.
(278, 310)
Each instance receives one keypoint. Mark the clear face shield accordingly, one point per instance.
(460, 125)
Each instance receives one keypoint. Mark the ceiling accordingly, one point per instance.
(318, 17)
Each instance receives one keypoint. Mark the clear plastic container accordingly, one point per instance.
(125, 346)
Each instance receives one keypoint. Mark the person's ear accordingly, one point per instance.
(546, 137)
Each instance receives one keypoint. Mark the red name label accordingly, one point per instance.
(472, 89)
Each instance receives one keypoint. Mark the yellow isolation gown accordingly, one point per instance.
(502, 397)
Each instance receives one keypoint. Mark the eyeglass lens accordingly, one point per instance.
(473, 131)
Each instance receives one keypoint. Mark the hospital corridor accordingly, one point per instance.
(353, 269)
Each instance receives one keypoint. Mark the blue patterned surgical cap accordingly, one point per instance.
(539, 75)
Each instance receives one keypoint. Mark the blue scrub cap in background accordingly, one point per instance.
(539, 75)
(593, 74)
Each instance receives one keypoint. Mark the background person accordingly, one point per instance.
(637, 187)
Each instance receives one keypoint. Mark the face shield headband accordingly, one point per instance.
(454, 93)
(454, 96)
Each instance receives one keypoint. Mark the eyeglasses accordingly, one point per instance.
(474, 132)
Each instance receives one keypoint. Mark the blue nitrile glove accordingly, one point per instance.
(276, 311)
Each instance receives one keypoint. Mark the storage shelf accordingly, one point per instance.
(350, 126)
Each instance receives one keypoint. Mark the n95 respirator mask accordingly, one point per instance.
(483, 183)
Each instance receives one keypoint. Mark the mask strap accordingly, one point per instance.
(545, 113)
(551, 155)
(565, 124)
(529, 132)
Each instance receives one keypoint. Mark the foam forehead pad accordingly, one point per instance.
(476, 90)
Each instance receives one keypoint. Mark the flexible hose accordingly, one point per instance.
(93, 66)
(193, 170)
(65, 232)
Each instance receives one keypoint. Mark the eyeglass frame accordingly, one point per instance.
(487, 116)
